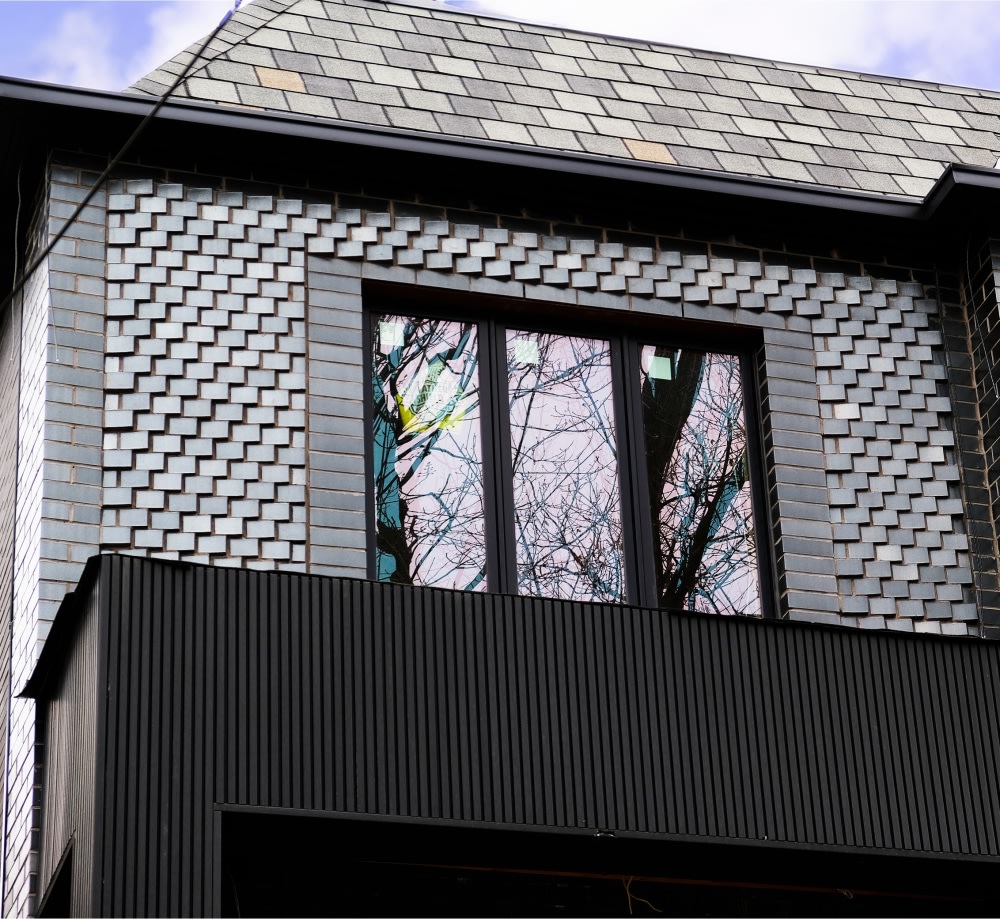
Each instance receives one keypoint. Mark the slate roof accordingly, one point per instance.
(423, 68)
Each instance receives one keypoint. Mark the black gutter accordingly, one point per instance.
(657, 175)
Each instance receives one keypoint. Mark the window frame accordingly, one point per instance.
(626, 334)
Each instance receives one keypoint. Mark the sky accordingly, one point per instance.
(107, 44)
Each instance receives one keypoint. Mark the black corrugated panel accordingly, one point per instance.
(288, 691)
(69, 725)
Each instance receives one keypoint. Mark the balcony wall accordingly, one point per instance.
(336, 696)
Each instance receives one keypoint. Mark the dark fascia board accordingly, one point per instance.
(62, 634)
(775, 191)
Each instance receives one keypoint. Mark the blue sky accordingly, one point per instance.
(106, 44)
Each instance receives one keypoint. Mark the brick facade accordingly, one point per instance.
(196, 389)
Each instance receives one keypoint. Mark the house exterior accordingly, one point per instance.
(440, 433)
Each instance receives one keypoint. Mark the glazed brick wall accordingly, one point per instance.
(9, 368)
(204, 443)
(192, 387)
(864, 482)
(979, 380)
(59, 430)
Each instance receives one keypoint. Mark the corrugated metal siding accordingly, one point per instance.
(69, 721)
(291, 691)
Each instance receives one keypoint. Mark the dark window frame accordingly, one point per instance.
(626, 334)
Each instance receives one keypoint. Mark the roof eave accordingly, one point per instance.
(507, 154)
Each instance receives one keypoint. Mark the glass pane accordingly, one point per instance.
(696, 462)
(568, 524)
(427, 453)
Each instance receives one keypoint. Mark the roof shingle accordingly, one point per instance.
(425, 68)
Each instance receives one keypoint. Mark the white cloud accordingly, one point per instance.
(78, 52)
(937, 40)
(173, 26)
(105, 46)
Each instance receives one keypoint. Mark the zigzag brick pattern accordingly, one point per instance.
(207, 390)
(899, 540)
(204, 444)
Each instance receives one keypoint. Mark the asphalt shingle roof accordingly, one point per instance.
(420, 67)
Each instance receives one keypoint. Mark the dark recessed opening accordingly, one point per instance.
(313, 866)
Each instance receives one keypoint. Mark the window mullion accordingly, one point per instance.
(635, 489)
(499, 487)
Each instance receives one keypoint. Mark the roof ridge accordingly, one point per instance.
(549, 28)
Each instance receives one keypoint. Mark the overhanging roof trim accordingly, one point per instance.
(684, 178)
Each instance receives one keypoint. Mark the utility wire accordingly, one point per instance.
(150, 115)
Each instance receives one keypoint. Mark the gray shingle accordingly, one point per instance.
(414, 60)
(428, 44)
(501, 73)
(550, 137)
(470, 51)
(633, 111)
(534, 95)
(522, 114)
(769, 110)
(577, 102)
(602, 70)
(375, 94)
(441, 83)
(331, 87)
(849, 140)
(832, 175)
(693, 156)
(546, 80)
(570, 121)
(308, 104)
(516, 57)
(620, 54)
(605, 146)
(752, 146)
(300, 63)
(678, 80)
(263, 97)
(460, 125)
(661, 133)
(361, 112)
(347, 70)
(703, 65)
(475, 108)
(714, 121)
(662, 114)
(737, 162)
(411, 119)
(615, 127)
(528, 41)
(834, 156)
(432, 102)
(307, 44)
(507, 131)
(392, 76)
(483, 34)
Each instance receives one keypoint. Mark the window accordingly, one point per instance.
(520, 460)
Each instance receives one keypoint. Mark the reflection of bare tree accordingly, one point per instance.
(697, 474)
(567, 511)
(428, 470)
(567, 517)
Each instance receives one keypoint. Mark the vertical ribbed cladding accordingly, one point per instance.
(69, 721)
(295, 692)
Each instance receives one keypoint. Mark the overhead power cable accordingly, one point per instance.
(19, 282)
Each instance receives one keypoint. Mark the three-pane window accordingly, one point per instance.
(519, 460)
